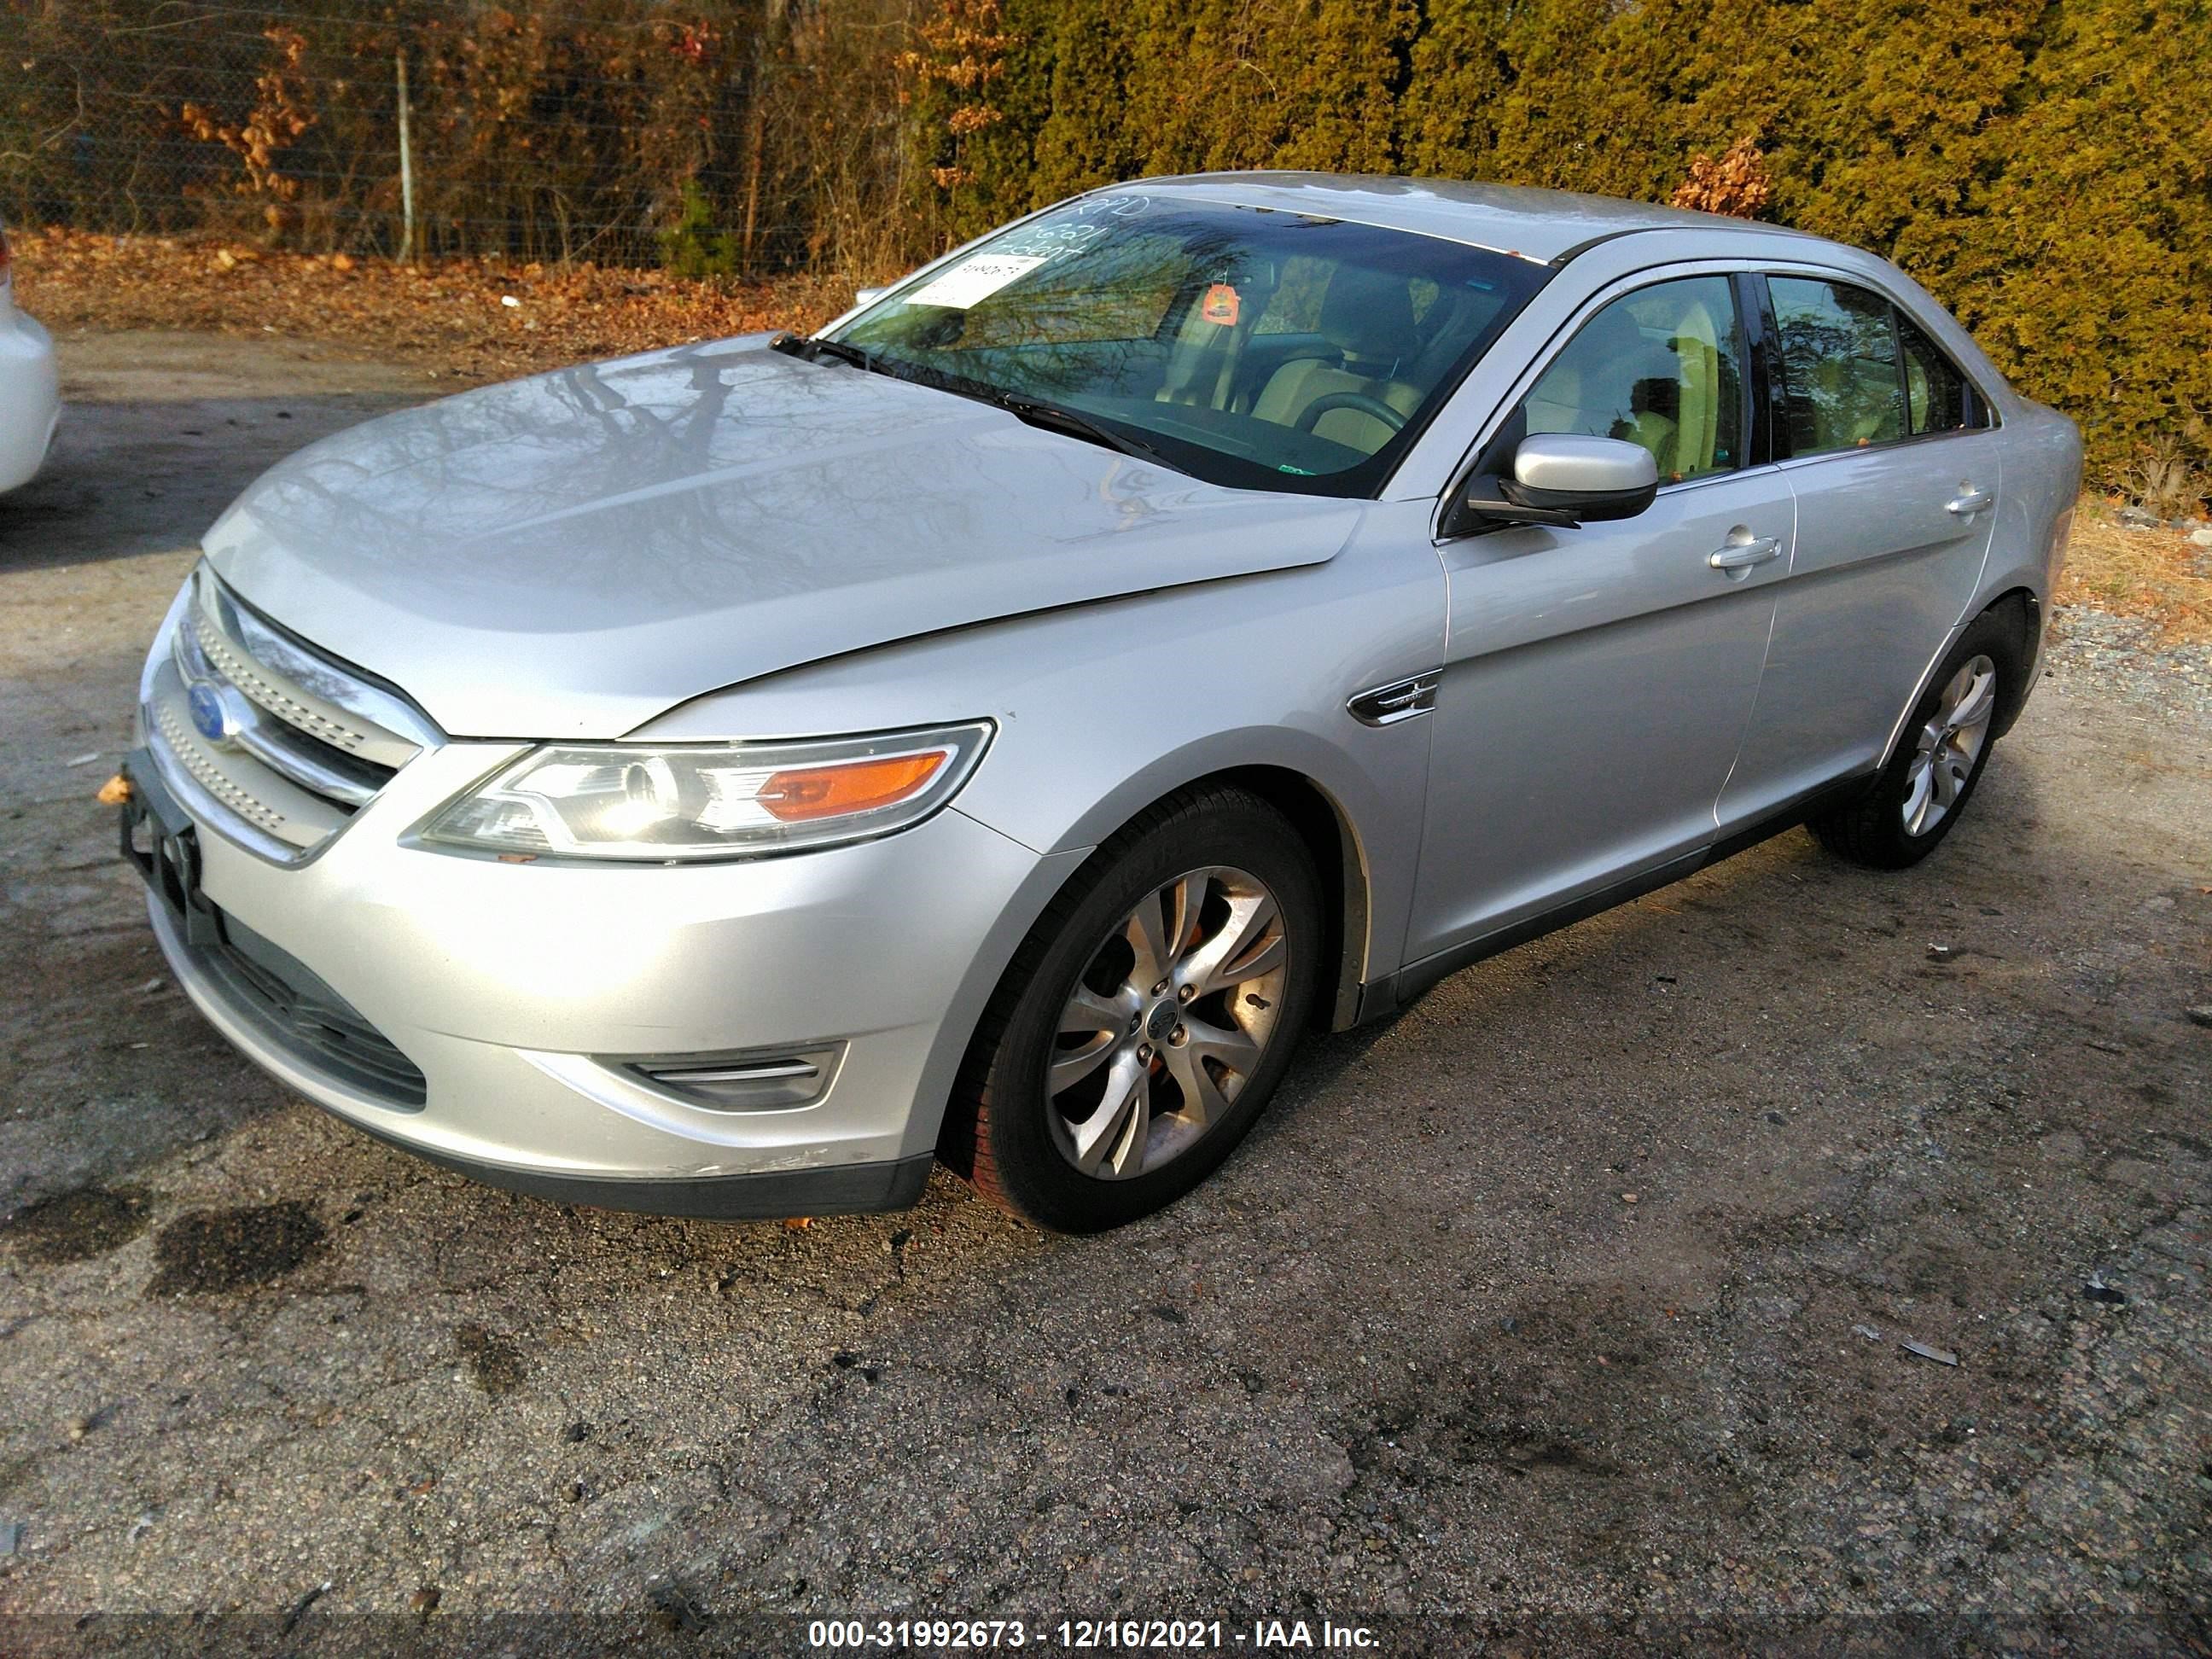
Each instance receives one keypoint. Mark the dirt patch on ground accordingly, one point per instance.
(74, 1226)
(493, 1361)
(210, 1251)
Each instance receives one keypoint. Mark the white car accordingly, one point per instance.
(30, 391)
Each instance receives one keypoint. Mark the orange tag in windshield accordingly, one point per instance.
(1220, 306)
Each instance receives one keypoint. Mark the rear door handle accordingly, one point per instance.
(1742, 555)
(1966, 506)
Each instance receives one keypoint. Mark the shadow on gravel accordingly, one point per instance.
(126, 479)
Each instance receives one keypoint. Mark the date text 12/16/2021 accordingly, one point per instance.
(1090, 1635)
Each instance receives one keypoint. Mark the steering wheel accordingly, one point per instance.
(1358, 400)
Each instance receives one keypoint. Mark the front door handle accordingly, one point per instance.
(1966, 506)
(1742, 555)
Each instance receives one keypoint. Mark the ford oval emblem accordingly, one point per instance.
(209, 716)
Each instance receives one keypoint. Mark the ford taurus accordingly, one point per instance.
(994, 728)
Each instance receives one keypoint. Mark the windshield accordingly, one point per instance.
(1247, 346)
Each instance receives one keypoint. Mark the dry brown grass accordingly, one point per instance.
(2153, 574)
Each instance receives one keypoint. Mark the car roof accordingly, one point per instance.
(1539, 225)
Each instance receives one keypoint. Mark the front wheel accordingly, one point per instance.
(1145, 1020)
(1919, 795)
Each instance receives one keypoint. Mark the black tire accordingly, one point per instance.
(997, 1134)
(1871, 829)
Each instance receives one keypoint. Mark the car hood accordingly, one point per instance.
(569, 555)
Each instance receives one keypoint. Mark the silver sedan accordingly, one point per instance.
(993, 729)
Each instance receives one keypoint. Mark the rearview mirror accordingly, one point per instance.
(1561, 478)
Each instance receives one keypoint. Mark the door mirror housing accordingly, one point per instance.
(1560, 478)
(868, 296)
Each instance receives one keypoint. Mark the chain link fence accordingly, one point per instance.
(722, 137)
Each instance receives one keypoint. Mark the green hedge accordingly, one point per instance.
(2045, 169)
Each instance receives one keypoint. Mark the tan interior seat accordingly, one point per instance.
(1610, 382)
(1368, 316)
(1854, 403)
(1697, 412)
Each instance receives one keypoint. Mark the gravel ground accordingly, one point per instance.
(1563, 1313)
(2098, 654)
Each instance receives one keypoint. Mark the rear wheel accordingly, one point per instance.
(1921, 793)
(1145, 1020)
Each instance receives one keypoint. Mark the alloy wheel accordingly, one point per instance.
(1167, 1023)
(1948, 746)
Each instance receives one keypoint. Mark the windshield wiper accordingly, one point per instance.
(856, 355)
(813, 350)
(1037, 412)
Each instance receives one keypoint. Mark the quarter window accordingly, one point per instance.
(1841, 384)
(1938, 398)
(1661, 368)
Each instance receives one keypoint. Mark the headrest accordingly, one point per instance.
(1369, 313)
(1612, 337)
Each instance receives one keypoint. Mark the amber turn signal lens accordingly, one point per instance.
(829, 792)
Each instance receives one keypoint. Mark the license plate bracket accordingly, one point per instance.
(169, 858)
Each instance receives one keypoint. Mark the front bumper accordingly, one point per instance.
(524, 995)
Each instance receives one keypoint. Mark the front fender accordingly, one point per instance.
(1104, 708)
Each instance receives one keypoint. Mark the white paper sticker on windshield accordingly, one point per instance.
(972, 279)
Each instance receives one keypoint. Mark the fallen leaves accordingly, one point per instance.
(469, 320)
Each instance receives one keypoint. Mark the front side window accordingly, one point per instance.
(1842, 387)
(1250, 346)
(1661, 368)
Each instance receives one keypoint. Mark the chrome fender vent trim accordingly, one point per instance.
(1400, 700)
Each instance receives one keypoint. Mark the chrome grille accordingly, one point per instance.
(185, 746)
(258, 732)
(241, 672)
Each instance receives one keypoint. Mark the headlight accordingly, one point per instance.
(689, 802)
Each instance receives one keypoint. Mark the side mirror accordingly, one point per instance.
(1560, 478)
(868, 296)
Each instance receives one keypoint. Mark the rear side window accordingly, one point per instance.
(1938, 398)
(1843, 387)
